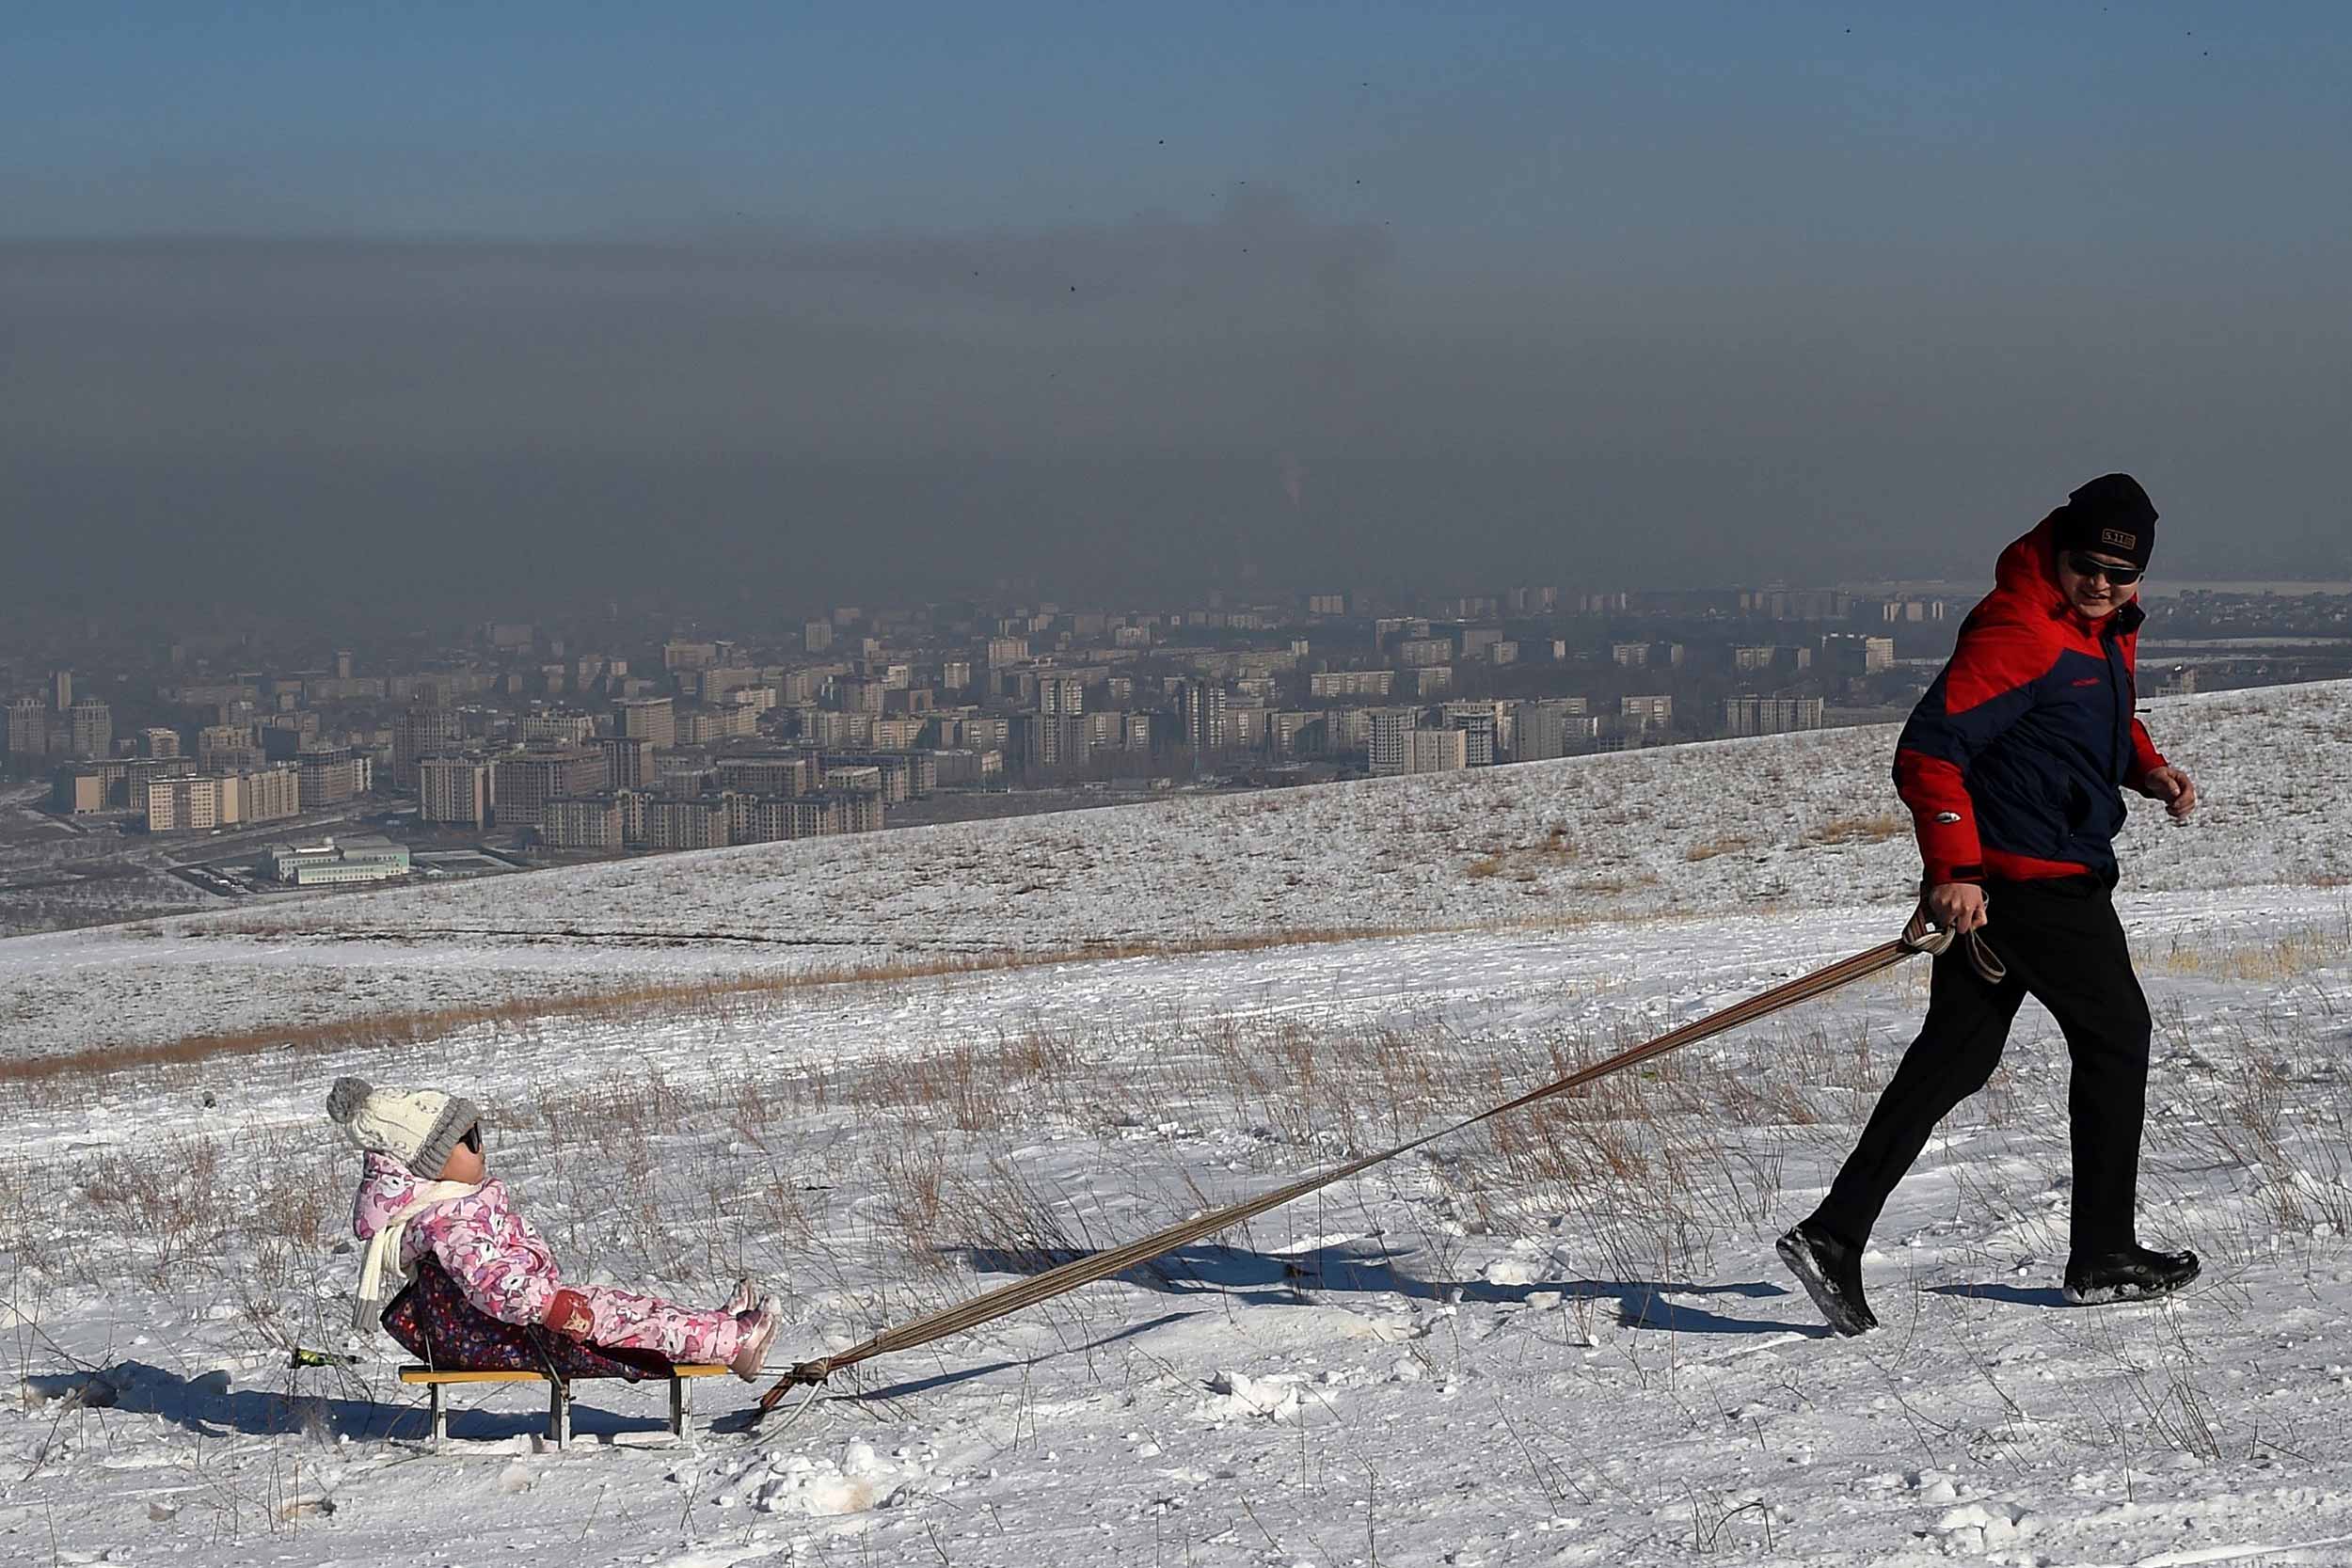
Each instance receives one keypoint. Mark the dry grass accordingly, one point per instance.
(1860, 830)
(648, 1000)
(1707, 850)
(2282, 956)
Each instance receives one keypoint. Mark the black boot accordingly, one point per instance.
(2135, 1274)
(1831, 1272)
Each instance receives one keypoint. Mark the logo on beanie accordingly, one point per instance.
(2119, 539)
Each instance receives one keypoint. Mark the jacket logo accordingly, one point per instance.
(2118, 537)
(2086, 680)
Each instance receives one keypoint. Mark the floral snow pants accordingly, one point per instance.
(623, 1320)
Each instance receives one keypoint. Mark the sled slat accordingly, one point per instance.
(432, 1374)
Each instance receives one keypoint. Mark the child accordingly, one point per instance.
(423, 1193)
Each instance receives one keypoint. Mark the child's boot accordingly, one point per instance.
(760, 1332)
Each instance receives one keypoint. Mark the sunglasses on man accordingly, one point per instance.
(2083, 566)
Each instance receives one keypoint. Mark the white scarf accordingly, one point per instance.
(380, 1269)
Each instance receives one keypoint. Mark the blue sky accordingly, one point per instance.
(1796, 255)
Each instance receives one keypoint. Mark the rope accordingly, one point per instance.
(1918, 937)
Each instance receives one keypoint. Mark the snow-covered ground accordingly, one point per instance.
(1557, 1338)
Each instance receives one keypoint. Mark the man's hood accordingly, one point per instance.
(2028, 571)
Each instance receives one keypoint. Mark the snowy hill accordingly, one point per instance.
(1562, 1338)
(1780, 824)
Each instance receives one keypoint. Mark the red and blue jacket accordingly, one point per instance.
(2013, 763)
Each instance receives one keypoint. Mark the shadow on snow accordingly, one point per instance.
(1273, 1279)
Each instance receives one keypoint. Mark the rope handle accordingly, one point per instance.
(1923, 935)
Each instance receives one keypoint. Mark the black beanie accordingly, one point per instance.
(2110, 516)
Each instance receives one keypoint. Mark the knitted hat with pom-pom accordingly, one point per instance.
(416, 1127)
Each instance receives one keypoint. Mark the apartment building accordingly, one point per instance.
(416, 734)
(1796, 603)
(1416, 653)
(1202, 716)
(771, 773)
(904, 774)
(651, 719)
(225, 738)
(331, 775)
(28, 730)
(1058, 740)
(1340, 685)
(1767, 656)
(1646, 712)
(1551, 727)
(90, 728)
(557, 725)
(580, 822)
(825, 727)
(1249, 728)
(1750, 714)
(196, 803)
(1437, 751)
(700, 823)
(708, 726)
(629, 761)
(1647, 655)
(1482, 727)
(1390, 739)
(189, 805)
(264, 794)
(1847, 653)
(955, 765)
(523, 782)
(455, 790)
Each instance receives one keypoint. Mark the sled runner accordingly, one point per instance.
(559, 1396)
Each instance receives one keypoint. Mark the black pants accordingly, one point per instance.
(2064, 947)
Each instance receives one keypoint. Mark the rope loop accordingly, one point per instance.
(1923, 935)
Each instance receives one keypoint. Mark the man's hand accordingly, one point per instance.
(1956, 907)
(2174, 787)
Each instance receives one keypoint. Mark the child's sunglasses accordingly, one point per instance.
(471, 1138)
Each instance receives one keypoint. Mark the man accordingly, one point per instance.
(2012, 766)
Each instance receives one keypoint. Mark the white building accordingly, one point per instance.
(335, 863)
